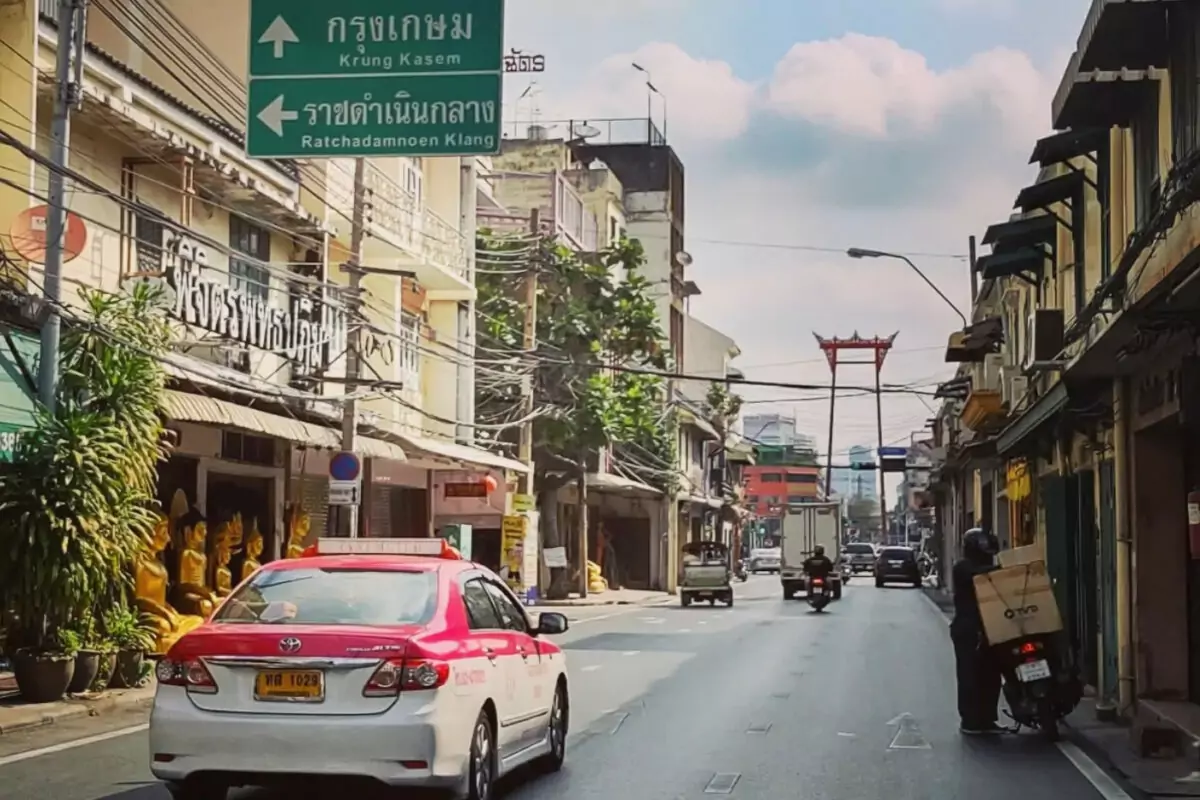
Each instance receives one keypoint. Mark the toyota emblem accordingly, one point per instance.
(289, 645)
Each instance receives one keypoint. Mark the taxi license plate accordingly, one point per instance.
(1033, 671)
(306, 685)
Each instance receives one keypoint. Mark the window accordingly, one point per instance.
(898, 554)
(414, 179)
(1183, 26)
(149, 235)
(772, 501)
(247, 276)
(801, 477)
(512, 616)
(752, 498)
(314, 596)
(481, 614)
(1145, 161)
(799, 498)
(408, 328)
(860, 549)
(772, 477)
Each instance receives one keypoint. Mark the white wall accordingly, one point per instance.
(707, 352)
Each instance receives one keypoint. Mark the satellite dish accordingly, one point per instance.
(584, 131)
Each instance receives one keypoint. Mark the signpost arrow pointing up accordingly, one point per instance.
(279, 33)
(908, 735)
(274, 115)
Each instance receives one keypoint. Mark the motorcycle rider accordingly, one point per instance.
(818, 564)
(975, 669)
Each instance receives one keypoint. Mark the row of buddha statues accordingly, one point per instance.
(175, 602)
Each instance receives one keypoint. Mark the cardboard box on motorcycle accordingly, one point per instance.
(1017, 600)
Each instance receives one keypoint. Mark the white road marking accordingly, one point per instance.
(684, 630)
(84, 742)
(845, 735)
(653, 620)
(631, 652)
(703, 622)
(590, 668)
(1108, 788)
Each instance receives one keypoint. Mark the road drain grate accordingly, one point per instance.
(722, 783)
(761, 729)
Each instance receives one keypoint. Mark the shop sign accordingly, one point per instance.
(517, 61)
(522, 503)
(235, 314)
(1019, 484)
(458, 490)
(512, 535)
(8, 443)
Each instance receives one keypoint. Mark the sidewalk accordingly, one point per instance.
(16, 715)
(1176, 773)
(612, 597)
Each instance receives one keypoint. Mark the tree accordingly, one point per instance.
(78, 500)
(594, 331)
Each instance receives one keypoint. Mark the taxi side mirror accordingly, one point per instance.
(551, 623)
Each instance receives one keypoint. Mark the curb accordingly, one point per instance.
(74, 709)
(1101, 758)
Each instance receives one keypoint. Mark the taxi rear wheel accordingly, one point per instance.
(483, 760)
(557, 734)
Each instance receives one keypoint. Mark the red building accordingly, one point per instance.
(770, 486)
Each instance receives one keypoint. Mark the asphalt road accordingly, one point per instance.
(762, 700)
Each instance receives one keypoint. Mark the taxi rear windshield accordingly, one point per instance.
(316, 596)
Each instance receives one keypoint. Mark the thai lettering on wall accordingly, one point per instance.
(294, 332)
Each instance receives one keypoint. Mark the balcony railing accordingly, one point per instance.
(625, 130)
(398, 217)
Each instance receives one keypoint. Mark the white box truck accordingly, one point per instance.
(804, 527)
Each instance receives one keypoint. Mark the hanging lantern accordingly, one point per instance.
(490, 483)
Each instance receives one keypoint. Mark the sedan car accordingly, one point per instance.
(897, 565)
(390, 661)
(860, 556)
(764, 559)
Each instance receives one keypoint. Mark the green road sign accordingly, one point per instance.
(365, 78)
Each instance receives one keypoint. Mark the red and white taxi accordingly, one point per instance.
(390, 660)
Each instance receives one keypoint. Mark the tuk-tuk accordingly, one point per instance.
(706, 574)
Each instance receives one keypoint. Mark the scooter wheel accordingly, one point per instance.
(1047, 718)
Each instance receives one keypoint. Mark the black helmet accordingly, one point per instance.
(819, 550)
(979, 543)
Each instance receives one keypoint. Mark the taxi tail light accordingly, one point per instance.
(191, 674)
(406, 675)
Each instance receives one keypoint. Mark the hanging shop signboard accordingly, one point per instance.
(299, 332)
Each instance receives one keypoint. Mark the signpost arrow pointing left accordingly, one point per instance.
(274, 115)
(908, 735)
(279, 33)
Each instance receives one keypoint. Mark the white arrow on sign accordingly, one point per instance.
(274, 115)
(279, 33)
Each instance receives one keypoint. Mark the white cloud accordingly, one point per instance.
(854, 141)
(871, 86)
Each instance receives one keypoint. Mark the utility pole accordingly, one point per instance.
(348, 516)
(883, 515)
(68, 74)
(974, 275)
(529, 345)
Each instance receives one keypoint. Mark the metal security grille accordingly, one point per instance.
(314, 499)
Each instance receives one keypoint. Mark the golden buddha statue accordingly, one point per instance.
(227, 541)
(298, 527)
(192, 593)
(150, 588)
(254, 551)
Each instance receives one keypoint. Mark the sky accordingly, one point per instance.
(809, 127)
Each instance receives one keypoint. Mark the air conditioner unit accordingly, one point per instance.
(993, 365)
(1014, 389)
(1045, 334)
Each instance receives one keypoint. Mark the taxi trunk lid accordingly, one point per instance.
(294, 669)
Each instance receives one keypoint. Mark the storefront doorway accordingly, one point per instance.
(228, 495)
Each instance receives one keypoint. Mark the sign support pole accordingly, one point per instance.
(349, 516)
(67, 74)
(529, 344)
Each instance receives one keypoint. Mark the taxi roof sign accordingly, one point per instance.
(430, 548)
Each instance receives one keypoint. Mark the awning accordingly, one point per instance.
(701, 500)
(186, 407)
(1060, 147)
(1104, 97)
(616, 484)
(459, 455)
(1047, 193)
(1033, 419)
(1026, 232)
(1024, 261)
(687, 417)
(1125, 33)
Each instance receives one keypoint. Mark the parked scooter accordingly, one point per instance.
(818, 594)
(1041, 681)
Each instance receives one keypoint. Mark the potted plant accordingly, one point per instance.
(44, 672)
(87, 655)
(131, 640)
(78, 498)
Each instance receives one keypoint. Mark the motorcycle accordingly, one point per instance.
(847, 573)
(1041, 681)
(740, 572)
(818, 594)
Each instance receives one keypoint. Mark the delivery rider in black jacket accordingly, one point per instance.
(818, 564)
(976, 670)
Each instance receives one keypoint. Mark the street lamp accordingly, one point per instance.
(652, 90)
(858, 252)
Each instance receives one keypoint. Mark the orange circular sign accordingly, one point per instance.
(28, 234)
